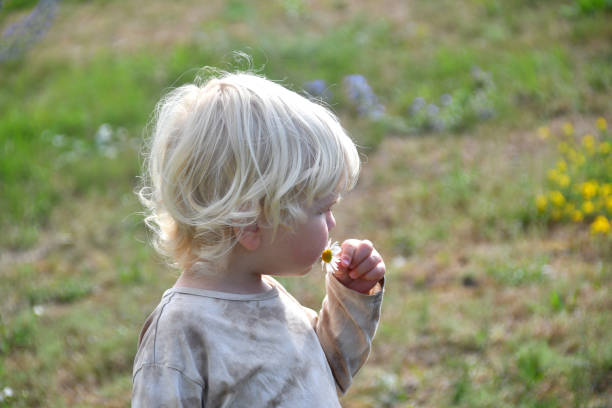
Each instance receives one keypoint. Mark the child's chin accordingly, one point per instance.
(305, 271)
(294, 272)
(301, 272)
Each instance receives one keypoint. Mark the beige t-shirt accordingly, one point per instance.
(202, 348)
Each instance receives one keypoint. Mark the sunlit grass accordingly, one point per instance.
(489, 302)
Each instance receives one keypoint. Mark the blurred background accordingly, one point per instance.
(487, 186)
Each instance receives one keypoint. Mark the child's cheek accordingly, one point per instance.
(306, 255)
(308, 244)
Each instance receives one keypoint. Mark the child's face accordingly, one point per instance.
(294, 252)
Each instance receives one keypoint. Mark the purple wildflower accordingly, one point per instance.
(21, 35)
(362, 97)
(318, 89)
(432, 110)
(446, 99)
(417, 104)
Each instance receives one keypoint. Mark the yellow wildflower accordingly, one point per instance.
(605, 148)
(568, 129)
(605, 190)
(557, 198)
(609, 205)
(589, 142)
(562, 165)
(588, 207)
(541, 202)
(563, 180)
(553, 175)
(577, 216)
(589, 189)
(576, 158)
(543, 132)
(602, 124)
(601, 225)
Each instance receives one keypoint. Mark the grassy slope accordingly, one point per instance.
(484, 306)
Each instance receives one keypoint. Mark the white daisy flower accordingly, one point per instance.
(38, 310)
(330, 258)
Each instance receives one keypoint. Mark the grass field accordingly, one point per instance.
(498, 290)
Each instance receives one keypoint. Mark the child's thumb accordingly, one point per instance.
(341, 274)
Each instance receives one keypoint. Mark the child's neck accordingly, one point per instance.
(229, 278)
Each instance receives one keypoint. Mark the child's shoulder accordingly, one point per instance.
(172, 312)
(183, 306)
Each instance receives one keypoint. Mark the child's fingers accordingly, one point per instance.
(362, 251)
(375, 274)
(366, 265)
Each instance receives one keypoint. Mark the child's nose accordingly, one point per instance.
(331, 221)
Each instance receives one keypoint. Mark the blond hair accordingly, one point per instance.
(234, 149)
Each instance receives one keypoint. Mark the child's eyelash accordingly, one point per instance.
(328, 208)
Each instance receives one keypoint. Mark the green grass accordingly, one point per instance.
(486, 304)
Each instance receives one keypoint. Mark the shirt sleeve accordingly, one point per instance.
(346, 326)
(156, 385)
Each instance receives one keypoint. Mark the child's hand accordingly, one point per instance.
(361, 267)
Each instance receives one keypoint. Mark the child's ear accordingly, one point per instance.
(249, 237)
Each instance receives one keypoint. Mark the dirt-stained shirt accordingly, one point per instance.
(202, 348)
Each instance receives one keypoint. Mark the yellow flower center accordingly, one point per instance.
(326, 256)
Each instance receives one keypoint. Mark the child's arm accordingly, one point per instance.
(160, 376)
(350, 312)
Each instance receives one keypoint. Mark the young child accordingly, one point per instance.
(241, 178)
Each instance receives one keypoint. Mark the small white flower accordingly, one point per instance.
(399, 262)
(58, 140)
(8, 391)
(38, 310)
(104, 135)
(330, 258)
